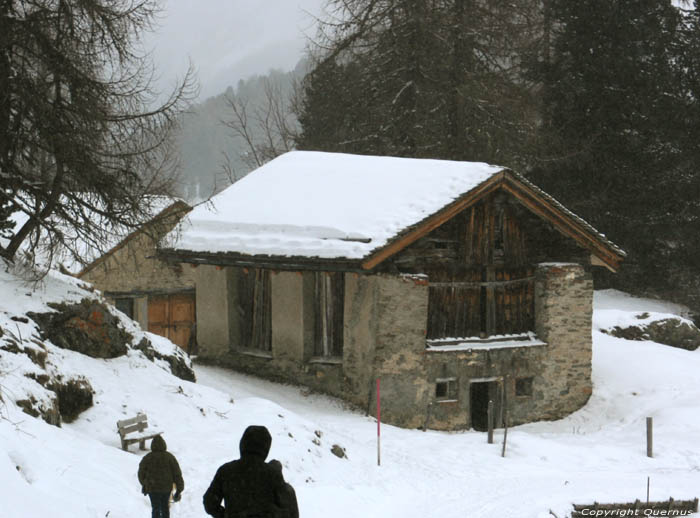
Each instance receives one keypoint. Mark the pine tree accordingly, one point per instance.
(619, 128)
(422, 78)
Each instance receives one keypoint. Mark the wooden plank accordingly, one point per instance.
(137, 427)
(434, 221)
(488, 284)
(339, 312)
(563, 222)
(158, 315)
(181, 318)
(132, 420)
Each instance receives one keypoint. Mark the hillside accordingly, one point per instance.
(598, 453)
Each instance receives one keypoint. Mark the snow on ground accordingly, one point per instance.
(597, 453)
(616, 308)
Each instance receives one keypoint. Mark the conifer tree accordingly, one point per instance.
(619, 129)
(420, 78)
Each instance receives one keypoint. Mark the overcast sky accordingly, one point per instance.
(228, 40)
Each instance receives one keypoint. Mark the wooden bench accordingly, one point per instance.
(134, 430)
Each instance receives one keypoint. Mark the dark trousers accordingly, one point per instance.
(159, 505)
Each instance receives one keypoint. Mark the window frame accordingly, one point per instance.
(526, 383)
(451, 394)
(119, 301)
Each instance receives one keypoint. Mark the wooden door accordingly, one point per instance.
(173, 316)
(480, 393)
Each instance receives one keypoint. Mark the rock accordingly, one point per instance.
(34, 408)
(67, 399)
(339, 451)
(88, 328)
(180, 365)
(74, 397)
(668, 331)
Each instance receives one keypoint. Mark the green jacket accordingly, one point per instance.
(159, 470)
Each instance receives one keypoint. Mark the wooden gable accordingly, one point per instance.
(494, 219)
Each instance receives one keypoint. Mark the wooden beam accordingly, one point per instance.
(269, 262)
(596, 261)
(432, 222)
(477, 284)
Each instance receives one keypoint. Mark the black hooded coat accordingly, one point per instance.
(249, 487)
(159, 470)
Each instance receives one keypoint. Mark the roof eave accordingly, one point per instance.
(172, 209)
(533, 198)
(272, 262)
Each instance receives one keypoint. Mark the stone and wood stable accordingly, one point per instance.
(159, 296)
(489, 297)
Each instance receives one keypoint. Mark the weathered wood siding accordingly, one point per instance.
(498, 231)
(480, 265)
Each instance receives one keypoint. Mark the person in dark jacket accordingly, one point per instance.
(158, 472)
(249, 487)
(289, 505)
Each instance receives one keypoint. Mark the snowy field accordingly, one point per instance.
(596, 454)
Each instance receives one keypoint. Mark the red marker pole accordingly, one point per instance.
(379, 420)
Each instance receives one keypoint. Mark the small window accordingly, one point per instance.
(126, 306)
(446, 389)
(523, 387)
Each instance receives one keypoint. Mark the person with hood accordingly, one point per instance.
(289, 497)
(248, 486)
(158, 471)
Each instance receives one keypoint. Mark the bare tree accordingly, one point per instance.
(85, 149)
(267, 128)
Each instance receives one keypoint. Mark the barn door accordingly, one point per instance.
(173, 316)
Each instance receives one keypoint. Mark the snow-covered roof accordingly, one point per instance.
(345, 208)
(85, 253)
(326, 205)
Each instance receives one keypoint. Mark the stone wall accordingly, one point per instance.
(290, 359)
(560, 371)
(214, 306)
(563, 318)
(360, 334)
(502, 365)
(384, 337)
(133, 267)
(401, 311)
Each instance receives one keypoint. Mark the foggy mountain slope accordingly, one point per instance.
(206, 143)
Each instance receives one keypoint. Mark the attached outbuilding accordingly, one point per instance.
(158, 295)
(454, 283)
